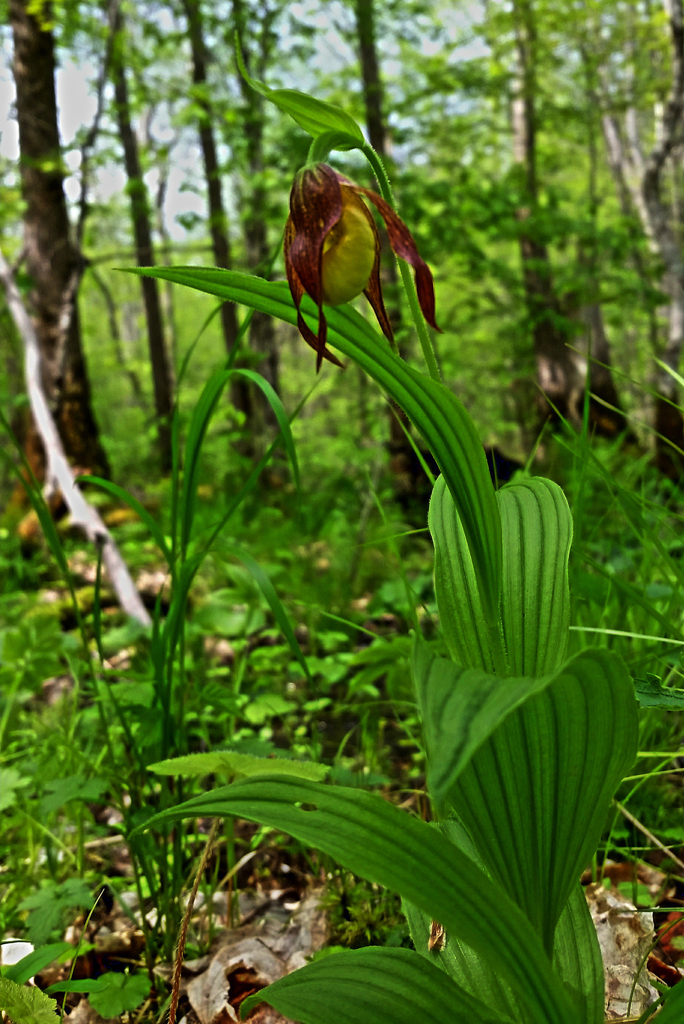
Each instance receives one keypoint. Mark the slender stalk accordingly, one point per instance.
(180, 948)
(409, 287)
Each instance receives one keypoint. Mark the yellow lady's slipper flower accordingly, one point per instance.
(332, 251)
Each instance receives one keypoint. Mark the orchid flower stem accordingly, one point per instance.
(409, 287)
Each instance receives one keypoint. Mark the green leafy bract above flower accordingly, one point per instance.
(315, 116)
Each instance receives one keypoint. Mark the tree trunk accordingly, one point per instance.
(406, 469)
(262, 334)
(218, 222)
(142, 231)
(605, 410)
(52, 260)
(642, 178)
(561, 384)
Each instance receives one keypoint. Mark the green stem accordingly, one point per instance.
(409, 286)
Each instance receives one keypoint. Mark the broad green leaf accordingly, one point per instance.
(460, 708)
(535, 605)
(111, 994)
(230, 762)
(577, 956)
(435, 411)
(376, 840)
(119, 993)
(314, 116)
(535, 794)
(455, 958)
(59, 792)
(651, 693)
(10, 782)
(48, 904)
(469, 639)
(376, 986)
(26, 1005)
(672, 1011)
(36, 961)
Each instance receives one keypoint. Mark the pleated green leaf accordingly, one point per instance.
(435, 411)
(461, 963)
(376, 986)
(537, 533)
(470, 640)
(577, 956)
(376, 840)
(460, 708)
(534, 796)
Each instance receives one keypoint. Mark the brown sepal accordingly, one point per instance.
(373, 291)
(405, 248)
(297, 291)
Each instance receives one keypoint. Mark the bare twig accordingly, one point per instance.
(58, 472)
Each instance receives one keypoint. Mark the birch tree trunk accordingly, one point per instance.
(640, 178)
(142, 232)
(52, 260)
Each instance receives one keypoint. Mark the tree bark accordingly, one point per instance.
(52, 260)
(142, 231)
(406, 469)
(641, 178)
(262, 335)
(218, 222)
(58, 473)
(562, 386)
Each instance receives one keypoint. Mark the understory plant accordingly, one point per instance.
(526, 745)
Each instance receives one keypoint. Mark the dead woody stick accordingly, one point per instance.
(58, 472)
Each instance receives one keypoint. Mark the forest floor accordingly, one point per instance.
(81, 724)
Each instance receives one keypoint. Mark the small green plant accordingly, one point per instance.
(145, 719)
(525, 745)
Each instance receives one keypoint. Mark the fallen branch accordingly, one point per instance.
(58, 472)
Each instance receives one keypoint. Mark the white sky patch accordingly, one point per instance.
(9, 129)
(76, 101)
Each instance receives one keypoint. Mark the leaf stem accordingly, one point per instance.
(409, 287)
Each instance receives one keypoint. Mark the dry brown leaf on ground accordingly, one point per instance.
(249, 958)
(625, 936)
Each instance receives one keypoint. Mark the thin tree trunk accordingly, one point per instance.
(642, 177)
(52, 259)
(605, 410)
(402, 457)
(557, 371)
(142, 231)
(218, 222)
(58, 473)
(262, 334)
